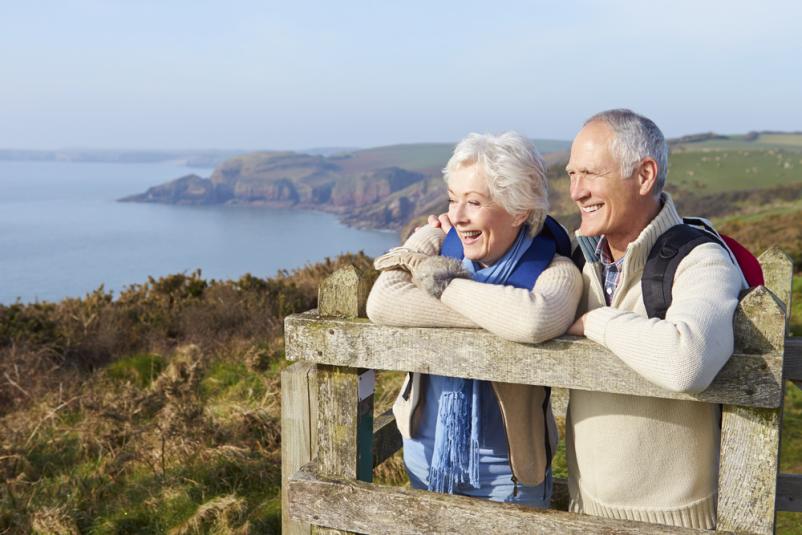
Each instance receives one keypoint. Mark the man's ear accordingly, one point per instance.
(647, 176)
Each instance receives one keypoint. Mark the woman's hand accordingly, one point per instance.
(434, 274)
(440, 221)
(399, 258)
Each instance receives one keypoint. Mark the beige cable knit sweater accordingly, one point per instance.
(512, 313)
(649, 459)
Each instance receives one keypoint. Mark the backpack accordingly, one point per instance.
(670, 249)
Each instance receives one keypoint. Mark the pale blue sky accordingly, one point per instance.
(257, 74)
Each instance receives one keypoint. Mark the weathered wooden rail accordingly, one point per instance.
(331, 440)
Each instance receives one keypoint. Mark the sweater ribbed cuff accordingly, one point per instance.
(596, 323)
(426, 240)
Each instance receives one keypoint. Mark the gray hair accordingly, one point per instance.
(514, 171)
(636, 137)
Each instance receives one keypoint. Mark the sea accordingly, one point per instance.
(63, 233)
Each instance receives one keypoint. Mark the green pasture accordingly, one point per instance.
(743, 142)
(728, 170)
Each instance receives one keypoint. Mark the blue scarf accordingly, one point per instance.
(455, 459)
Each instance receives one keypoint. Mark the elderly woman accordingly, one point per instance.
(502, 266)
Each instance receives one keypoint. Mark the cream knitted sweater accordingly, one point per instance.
(512, 313)
(649, 459)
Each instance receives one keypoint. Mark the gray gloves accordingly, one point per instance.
(431, 274)
(399, 258)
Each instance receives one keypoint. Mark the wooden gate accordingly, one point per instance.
(331, 440)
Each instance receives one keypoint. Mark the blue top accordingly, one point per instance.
(495, 474)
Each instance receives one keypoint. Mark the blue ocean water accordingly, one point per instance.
(62, 233)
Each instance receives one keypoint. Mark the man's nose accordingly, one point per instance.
(578, 189)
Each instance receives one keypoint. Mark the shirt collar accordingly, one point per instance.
(604, 254)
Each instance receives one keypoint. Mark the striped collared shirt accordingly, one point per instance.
(611, 269)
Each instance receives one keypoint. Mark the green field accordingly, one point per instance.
(727, 170)
(744, 142)
(421, 156)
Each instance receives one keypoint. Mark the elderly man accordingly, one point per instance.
(647, 459)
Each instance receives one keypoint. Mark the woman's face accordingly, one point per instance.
(486, 229)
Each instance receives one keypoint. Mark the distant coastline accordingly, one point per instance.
(190, 158)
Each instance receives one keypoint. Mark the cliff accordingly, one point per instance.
(382, 187)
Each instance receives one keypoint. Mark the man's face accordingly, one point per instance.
(608, 202)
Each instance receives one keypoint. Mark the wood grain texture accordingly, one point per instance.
(386, 438)
(344, 293)
(747, 483)
(567, 362)
(759, 323)
(789, 493)
(367, 508)
(778, 272)
(340, 415)
(750, 437)
(298, 432)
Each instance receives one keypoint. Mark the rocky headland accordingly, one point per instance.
(384, 187)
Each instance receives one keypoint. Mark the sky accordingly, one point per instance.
(201, 74)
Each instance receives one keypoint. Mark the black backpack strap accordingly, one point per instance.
(578, 257)
(661, 266)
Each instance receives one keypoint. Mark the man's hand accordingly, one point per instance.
(442, 221)
(578, 328)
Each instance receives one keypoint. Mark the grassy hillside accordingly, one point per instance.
(159, 412)
(156, 412)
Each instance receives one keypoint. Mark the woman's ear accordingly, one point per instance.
(520, 219)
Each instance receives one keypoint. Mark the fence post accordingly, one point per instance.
(750, 437)
(778, 272)
(345, 395)
(298, 432)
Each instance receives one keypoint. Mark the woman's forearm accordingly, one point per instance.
(394, 300)
(517, 314)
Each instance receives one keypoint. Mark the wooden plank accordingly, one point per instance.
(298, 432)
(566, 362)
(750, 437)
(747, 483)
(342, 421)
(386, 438)
(792, 364)
(366, 508)
(789, 493)
(778, 272)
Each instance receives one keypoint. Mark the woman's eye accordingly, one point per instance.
(451, 201)
(474, 203)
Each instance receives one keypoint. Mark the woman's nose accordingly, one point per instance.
(457, 212)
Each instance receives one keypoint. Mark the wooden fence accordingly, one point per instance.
(331, 440)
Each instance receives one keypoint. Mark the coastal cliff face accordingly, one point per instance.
(363, 190)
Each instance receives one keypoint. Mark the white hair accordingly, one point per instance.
(514, 171)
(636, 138)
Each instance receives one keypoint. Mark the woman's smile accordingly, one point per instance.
(485, 228)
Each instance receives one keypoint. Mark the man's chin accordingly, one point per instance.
(589, 231)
